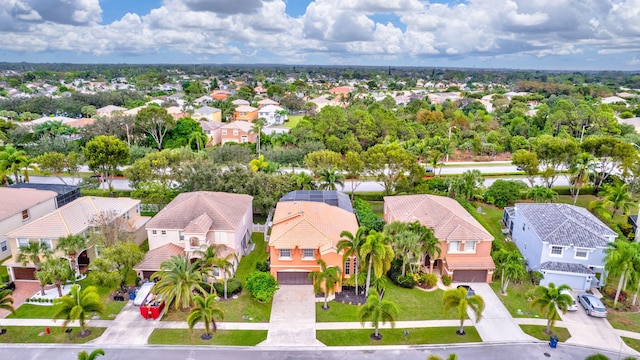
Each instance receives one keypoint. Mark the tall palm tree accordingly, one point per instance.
(6, 303)
(327, 276)
(458, 299)
(13, 160)
(58, 271)
(78, 306)
(177, 279)
(377, 310)
(205, 310)
(329, 178)
(83, 355)
(581, 167)
(549, 299)
(44, 278)
(618, 197)
(619, 260)
(34, 252)
(406, 242)
(351, 244)
(430, 245)
(377, 254)
(304, 181)
(511, 266)
(71, 245)
(212, 257)
(258, 124)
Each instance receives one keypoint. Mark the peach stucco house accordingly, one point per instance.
(305, 231)
(465, 244)
(239, 132)
(245, 113)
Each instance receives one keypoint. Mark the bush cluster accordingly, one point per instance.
(262, 286)
(446, 280)
(395, 274)
(366, 216)
(263, 266)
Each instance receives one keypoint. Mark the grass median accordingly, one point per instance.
(537, 331)
(38, 335)
(220, 337)
(416, 336)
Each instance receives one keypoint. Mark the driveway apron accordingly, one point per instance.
(128, 328)
(496, 323)
(590, 331)
(293, 317)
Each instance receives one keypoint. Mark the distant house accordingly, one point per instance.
(239, 132)
(465, 245)
(240, 102)
(266, 102)
(193, 221)
(273, 115)
(213, 130)
(19, 207)
(220, 94)
(176, 112)
(306, 228)
(565, 243)
(208, 113)
(202, 100)
(245, 113)
(109, 110)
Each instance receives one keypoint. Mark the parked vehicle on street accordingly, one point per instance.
(574, 304)
(592, 305)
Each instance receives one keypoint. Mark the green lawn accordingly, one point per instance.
(632, 343)
(293, 121)
(4, 275)
(377, 207)
(516, 299)
(29, 311)
(220, 337)
(491, 218)
(36, 334)
(248, 263)
(413, 304)
(624, 320)
(241, 309)
(537, 331)
(432, 335)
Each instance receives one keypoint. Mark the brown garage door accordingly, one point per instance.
(470, 275)
(22, 273)
(294, 278)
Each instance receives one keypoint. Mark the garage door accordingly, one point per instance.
(470, 275)
(294, 278)
(22, 273)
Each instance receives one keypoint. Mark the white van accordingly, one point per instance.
(574, 304)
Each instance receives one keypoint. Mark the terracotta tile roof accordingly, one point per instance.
(246, 108)
(154, 258)
(469, 262)
(241, 125)
(199, 225)
(211, 125)
(448, 219)
(73, 218)
(223, 209)
(14, 200)
(310, 225)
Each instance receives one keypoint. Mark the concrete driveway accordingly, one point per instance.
(293, 317)
(496, 323)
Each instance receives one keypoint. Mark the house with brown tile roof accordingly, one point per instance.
(20, 207)
(465, 244)
(75, 218)
(195, 220)
(304, 232)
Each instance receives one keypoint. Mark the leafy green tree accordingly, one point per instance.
(6, 303)
(376, 255)
(609, 152)
(504, 192)
(258, 164)
(323, 159)
(354, 167)
(205, 310)
(618, 197)
(178, 278)
(389, 163)
(88, 111)
(55, 163)
(83, 355)
(186, 132)
(378, 311)
(79, 305)
(58, 271)
(245, 92)
(329, 178)
(212, 257)
(125, 255)
(325, 280)
(105, 154)
(71, 245)
(156, 122)
(541, 193)
(105, 273)
(262, 286)
(510, 265)
(468, 185)
(350, 245)
(458, 299)
(554, 154)
(549, 299)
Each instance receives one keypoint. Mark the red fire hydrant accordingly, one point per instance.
(48, 331)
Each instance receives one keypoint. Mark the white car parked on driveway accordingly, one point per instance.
(574, 304)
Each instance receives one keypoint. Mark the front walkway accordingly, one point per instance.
(293, 317)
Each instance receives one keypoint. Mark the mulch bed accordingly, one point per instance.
(348, 295)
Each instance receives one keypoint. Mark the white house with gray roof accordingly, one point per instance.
(565, 243)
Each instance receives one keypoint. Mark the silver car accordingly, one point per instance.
(592, 305)
(574, 304)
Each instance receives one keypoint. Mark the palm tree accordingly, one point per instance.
(436, 357)
(33, 253)
(459, 299)
(511, 266)
(619, 260)
(351, 244)
(468, 184)
(205, 310)
(83, 355)
(58, 271)
(198, 137)
(304, 181)
(330, 276)
(258, 124)
(177, 279)
(328, 178)
(377, 254)
(13, 160)
(377, 310)
(541, 193)
(71, 245)
(78, 306)
(581, 167)
(6, 303)
(549, 300)
(211, 258)
(406, 242)
(618, 197)
(430, 245)
(258, 164)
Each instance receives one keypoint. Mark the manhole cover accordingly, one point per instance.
(547, 354)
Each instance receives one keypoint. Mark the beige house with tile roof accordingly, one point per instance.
(302, 233)
(75, 218)
(465, 244)
(238, 132)
(195, 220)
(20, 207)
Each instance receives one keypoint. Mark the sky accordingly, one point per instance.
(514, 34)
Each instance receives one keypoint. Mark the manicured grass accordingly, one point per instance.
(413, 304)
(220, 337)
(29, 311)
(111, 307)
(491, 218)
(4, 275)
(241, 309)
(432, 335)
(624, 320)
(248, 263)
(632, 343)
(517, 299)
(377, 207)
(583, 200)
(537, 331)
(293, 121)
(31, 335)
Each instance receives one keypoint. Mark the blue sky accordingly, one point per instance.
(523, 34)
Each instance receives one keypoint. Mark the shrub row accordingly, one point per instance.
(366, 216)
